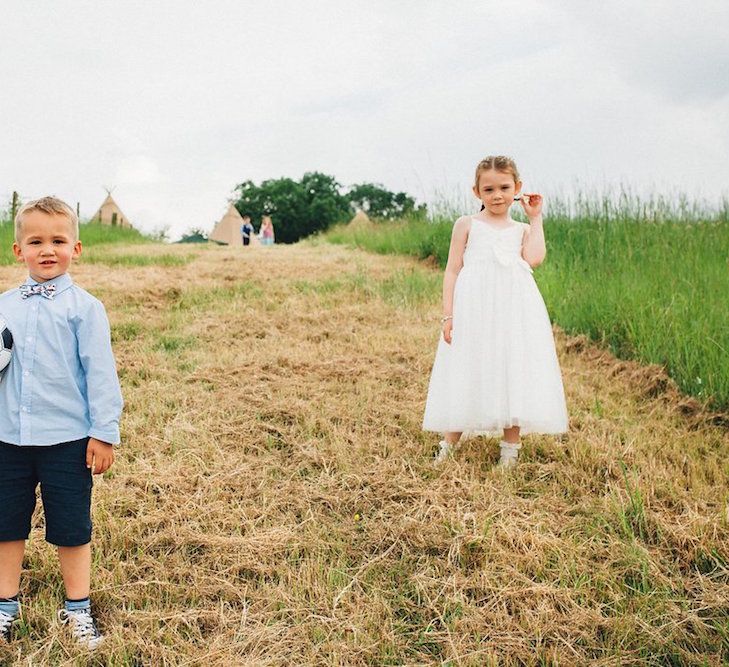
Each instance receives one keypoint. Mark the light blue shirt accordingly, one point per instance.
(61, 384)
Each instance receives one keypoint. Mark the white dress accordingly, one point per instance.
(501, 368)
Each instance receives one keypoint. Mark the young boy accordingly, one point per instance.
(60, 404)
(246, 230)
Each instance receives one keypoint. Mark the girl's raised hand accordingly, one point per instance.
(532, 204)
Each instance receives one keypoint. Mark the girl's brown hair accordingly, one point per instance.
(500, 163)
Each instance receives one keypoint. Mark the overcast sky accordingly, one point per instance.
(174, 103)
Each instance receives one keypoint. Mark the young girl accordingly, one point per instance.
(266, 232)
(496, 366)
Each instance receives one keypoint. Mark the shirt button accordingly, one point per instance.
(26, 373)
(25, 409)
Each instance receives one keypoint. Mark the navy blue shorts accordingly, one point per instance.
(65, 483)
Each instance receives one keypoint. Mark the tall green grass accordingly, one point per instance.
(417, 237)
(656, 292)
(91, 235)
(648, 278)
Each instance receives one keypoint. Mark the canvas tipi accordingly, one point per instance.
(109, 213)
(228, 229)
(361, 219)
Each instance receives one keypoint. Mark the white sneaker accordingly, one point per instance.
(6, 626)
(83, 627)
(509, 454)
(446, 450)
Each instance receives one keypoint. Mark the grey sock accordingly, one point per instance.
(10, 606)
(78, 605)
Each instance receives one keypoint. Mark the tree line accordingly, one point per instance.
(317, 201)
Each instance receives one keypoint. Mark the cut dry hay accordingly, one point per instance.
(274, 501)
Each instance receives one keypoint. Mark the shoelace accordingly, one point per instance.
(82, 625)
(5, 622)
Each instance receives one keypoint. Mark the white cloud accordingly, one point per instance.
(677, 50)
(139, 170)
(175, 107)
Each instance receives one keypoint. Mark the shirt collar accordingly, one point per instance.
(61, 282)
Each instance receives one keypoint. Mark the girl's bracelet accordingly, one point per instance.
(443, 320)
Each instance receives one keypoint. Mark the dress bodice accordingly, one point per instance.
(488, 243)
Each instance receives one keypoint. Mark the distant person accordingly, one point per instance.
(266, 231)
(496, 367)
(60, 404)
(246, 230)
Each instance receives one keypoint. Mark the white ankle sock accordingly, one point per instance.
(510, 446)
(509, 454)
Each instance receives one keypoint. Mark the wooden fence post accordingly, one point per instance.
(14, 207)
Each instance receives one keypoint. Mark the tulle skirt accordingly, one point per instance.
(501, 368)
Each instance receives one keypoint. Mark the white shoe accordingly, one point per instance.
(83, 627)
(6, 626)
(445, 451)
(509, 454)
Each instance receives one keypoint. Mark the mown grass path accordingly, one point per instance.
(274, 502)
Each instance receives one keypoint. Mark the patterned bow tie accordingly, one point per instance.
(48, 291)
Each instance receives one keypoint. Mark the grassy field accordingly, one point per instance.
(273, 502)
(647, 281)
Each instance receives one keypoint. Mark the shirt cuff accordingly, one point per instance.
(110, 435)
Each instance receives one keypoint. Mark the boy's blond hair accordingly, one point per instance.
(49, 206)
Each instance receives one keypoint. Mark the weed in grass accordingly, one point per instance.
(632, 517)
(223, 297)
(712, 562)
(320, 287)
(125, 331)
(110, 258)
(174, 343)
(411, 288)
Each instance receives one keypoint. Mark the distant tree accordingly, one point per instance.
(297, 208)
(378, 202)
(194, 235)
(160, 234)
(324, 199)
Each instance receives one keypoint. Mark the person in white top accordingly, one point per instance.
(496, 370)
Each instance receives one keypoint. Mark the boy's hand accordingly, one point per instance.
(99, 456)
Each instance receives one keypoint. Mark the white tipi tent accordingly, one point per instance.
(228, 229)
(109, 213)
(361, 219)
